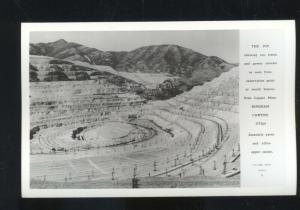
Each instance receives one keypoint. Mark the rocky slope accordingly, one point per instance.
(172, 59)
(189, 67)
(47, 69)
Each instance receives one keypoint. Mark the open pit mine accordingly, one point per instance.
(95, 125)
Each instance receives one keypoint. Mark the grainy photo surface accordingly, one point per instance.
(134, 109)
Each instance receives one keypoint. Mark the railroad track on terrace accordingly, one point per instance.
(206, 157)
(191, 104)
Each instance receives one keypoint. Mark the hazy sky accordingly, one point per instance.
(224, 44)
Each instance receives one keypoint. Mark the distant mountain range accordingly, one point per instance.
(171, 59)
(191, 67)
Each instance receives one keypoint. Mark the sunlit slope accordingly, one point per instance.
(217, 99)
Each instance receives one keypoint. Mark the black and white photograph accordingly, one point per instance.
(134, 109)
(149, 105)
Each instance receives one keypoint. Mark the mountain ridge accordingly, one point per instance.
(165, 58)
(187, 67)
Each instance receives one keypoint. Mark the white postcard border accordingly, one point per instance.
(287, 26)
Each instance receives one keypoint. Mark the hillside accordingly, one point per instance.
(172, 87)
(182, 68)
(47, 69)
(171, 59)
